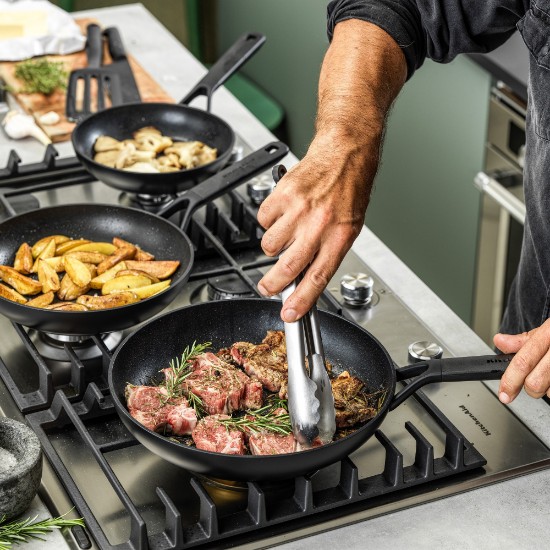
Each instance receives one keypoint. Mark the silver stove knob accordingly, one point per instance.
(357, 288)
(424, 351)
(260, 188)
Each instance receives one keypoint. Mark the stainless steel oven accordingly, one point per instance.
(502, 211)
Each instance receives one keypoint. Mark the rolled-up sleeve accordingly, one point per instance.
(437, 29)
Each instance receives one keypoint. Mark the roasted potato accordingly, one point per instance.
(116, 299)
(24, 259)
(147, 291)
(103, 248)
(20, 282)
(126, 282)
(123, 253)
(39, 246)
(48, 277)
(10, 294)
(42, 300)
(69, 245)
(77, 271)
(162, 269)
(100, 280)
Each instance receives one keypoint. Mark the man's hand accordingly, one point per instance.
(530, 368)
(318, 208)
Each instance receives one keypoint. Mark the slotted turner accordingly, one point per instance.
(96, 81)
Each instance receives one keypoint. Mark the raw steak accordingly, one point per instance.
(211, 435)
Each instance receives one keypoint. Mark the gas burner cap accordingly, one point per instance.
(150, 203)
(424, 351)
(227, 287)
(357, 289)
(260, 188)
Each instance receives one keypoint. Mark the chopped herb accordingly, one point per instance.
(41, 76)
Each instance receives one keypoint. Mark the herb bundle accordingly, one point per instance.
(41, 75)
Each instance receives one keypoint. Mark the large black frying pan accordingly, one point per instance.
(177, 121)
(99, 222)
(347, 346)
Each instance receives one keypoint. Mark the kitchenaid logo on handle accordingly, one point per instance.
(477, 422)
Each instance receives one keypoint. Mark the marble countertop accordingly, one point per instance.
(508, 515)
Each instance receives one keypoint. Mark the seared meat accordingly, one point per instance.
(265, 361)
(149, 406)
(211, 435)
(267, 443)
(222, 387)
(351, 401)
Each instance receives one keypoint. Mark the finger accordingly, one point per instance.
(525, 360)
(270, 210)
(510, 343)
(279, 236)
(537, 382)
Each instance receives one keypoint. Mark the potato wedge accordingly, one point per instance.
(47, 252)
(42, 300)
(10, 294)
(87, 257)
(147, 291)
(67, 306)
(102, 248)
(20, 282)
(69, 291)
(77, 271)
(161, 269)
(100, 280)
(127, 282)
(23, 259)
(56, 263)
(69, 245)
(151, 278)
(116, 299)
(38, 246)
(123, 253)
(48, 277)
(141, 255)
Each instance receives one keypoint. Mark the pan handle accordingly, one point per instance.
(224, 181)
(452, 369)
(237, 55)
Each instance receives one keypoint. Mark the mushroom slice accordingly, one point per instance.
(107, 143)
(108, 158)
(144, 167)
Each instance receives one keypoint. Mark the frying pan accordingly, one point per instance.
(347, 346)
(178, 121)
(100, 222)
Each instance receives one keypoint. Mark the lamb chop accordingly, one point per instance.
(150, 406)
(351, 401)
(222, 387)
(265, 361)
(212, 435)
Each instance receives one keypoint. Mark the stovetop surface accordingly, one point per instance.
(508, 446)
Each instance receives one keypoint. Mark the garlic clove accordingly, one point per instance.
(18, 126)
(49, 119)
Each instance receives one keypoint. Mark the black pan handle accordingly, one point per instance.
(94, 46)
(224, 181)
(236, 56)
(114, 41)
(452, 369)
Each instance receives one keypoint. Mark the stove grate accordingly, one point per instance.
(261, 515)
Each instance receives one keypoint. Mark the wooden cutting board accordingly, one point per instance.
(39, 104)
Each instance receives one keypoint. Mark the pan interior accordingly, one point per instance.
(150, 349)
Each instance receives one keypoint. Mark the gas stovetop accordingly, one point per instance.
(447, 439)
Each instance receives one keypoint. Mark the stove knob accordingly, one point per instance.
(260, 188)
(356, 289)
(423, 351)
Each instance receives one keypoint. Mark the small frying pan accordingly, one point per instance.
(347, 347)
(177, 121)
(99, 222)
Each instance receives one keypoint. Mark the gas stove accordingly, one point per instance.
(447, 439)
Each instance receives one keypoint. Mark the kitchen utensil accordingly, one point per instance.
(348, 347)
(179, 121)
(121, 67)
(97, 81)
(103, 222)
(20, 467)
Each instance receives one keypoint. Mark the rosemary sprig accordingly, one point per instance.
(17, 532)
(262, 420)
(181, 368)
(41, 75)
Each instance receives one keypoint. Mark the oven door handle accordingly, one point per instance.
(514, 206)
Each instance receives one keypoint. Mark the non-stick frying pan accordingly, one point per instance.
(100, 222)
(178, 121)
(347, 346)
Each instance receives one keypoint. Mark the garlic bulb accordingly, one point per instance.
(18, 126)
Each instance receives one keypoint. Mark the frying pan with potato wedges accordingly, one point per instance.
(347, 346)
(177, 121)
(101, 223)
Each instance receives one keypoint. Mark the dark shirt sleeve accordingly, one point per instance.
(437, 29)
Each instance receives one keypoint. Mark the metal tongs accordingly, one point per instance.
(310, 399)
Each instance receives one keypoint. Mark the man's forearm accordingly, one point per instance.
(362, 73)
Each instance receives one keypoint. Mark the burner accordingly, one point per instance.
(52, 348)
(150, 203)
(227, 287)
(21, 204)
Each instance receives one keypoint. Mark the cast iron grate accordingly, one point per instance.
(261, 516)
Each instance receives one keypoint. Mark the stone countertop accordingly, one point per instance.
(505, 515)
